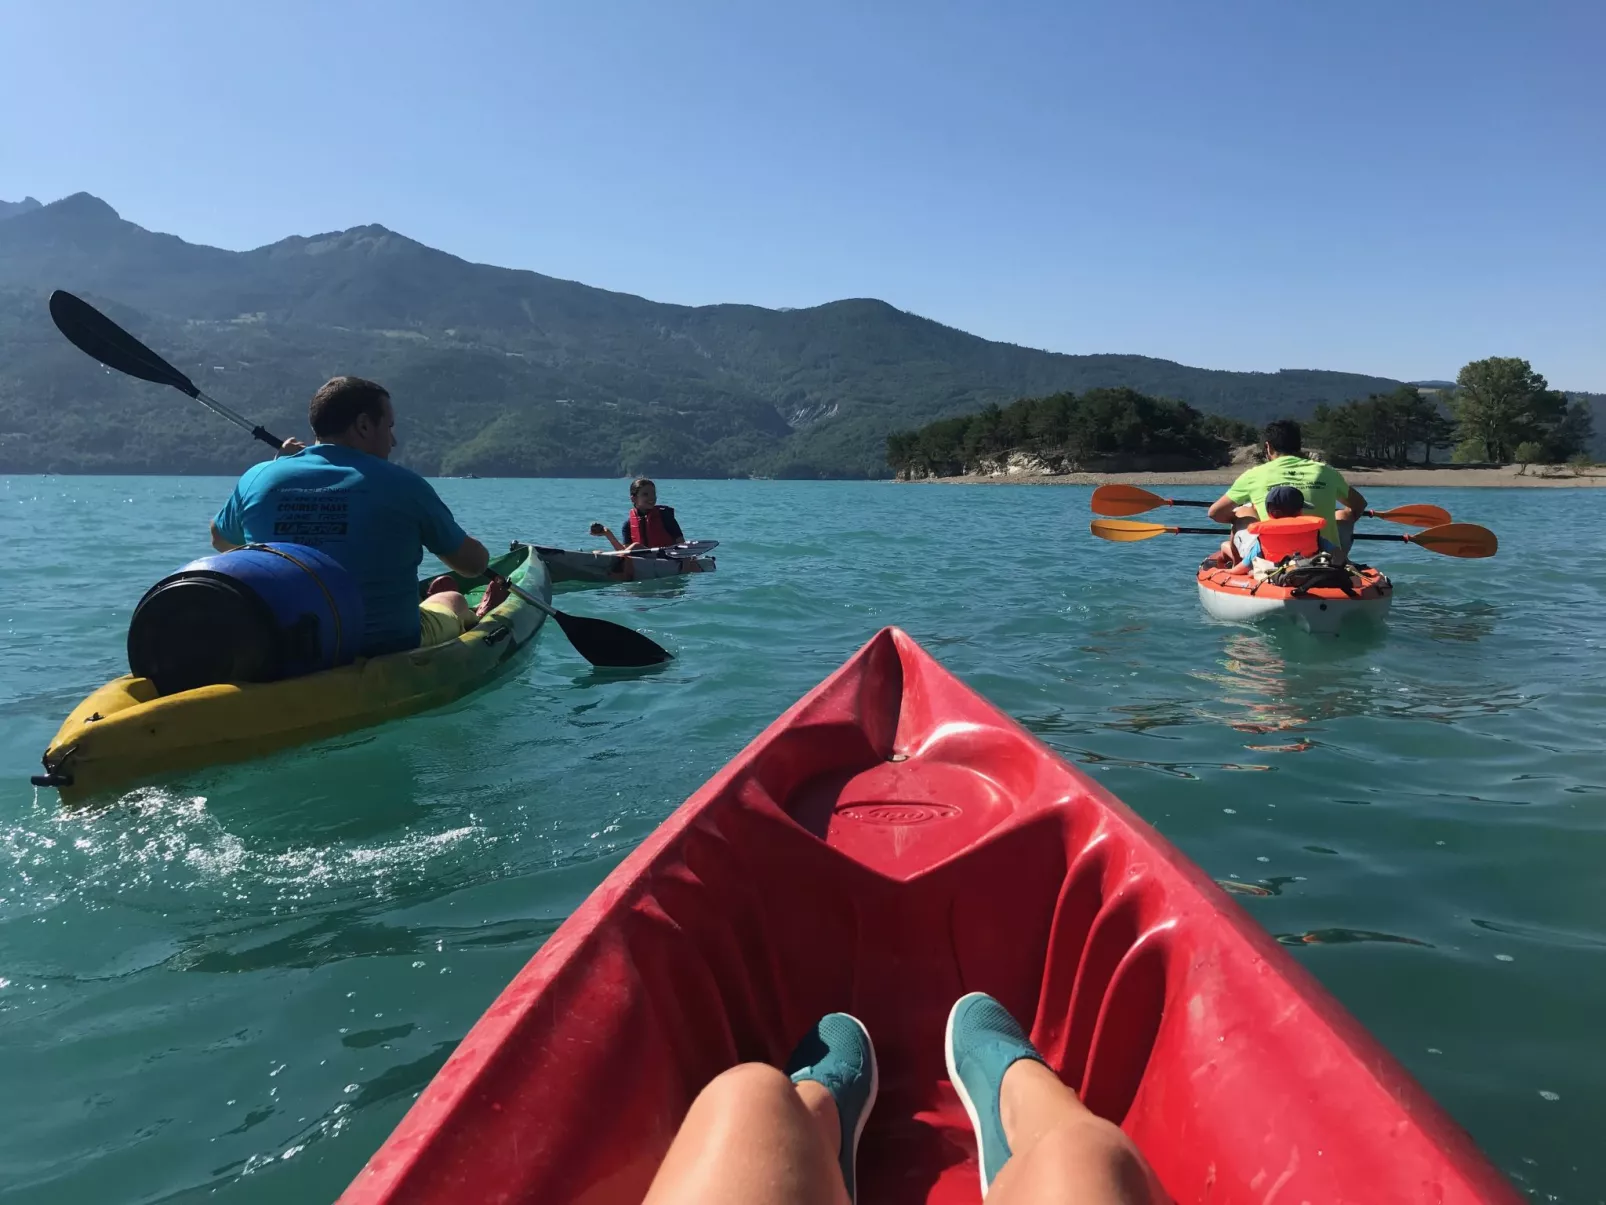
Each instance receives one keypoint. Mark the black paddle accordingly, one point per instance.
(97, 336)
(600, 642)
(597, 640)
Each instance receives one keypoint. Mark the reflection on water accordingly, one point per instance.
(1339, 937)
(605, 675)
(1175, 769)
(1254, 690)
(1263, 686)
(1263, 888)
(1465, 623)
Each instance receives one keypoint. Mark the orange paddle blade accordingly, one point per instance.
(1417, 514)
(1467, 540)
(1125, 500)
(1122, 531)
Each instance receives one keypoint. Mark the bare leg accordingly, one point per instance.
(1062, 1152)
(752, 1137)
(454, 602)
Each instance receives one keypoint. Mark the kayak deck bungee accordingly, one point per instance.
(1322, 610)
(566, 565)
(888, 844)
(125, 732)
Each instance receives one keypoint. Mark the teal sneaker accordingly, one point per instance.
(838, 1054)
(982, 1042)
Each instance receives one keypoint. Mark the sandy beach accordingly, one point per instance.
(1437, 477)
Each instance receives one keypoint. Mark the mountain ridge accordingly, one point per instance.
(10, 209)
(565, 377)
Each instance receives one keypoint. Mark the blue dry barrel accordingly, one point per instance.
(256, 614)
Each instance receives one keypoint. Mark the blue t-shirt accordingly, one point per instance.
(374, 517)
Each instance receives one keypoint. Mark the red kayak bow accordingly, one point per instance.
(888, 844)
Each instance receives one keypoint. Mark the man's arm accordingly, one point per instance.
(228, 525)
(1238, 493)
(1221, 509)
(469, 558)
(439, 532)
(597, 529)
(222, 542)
(1355, 500)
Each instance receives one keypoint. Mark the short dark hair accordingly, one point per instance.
(635, 486)
(1283, 436)
(341, 401)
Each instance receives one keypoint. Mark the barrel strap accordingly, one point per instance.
(334, 608)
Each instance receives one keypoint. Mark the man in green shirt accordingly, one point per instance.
(1324, 487)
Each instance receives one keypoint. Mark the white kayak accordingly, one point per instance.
(643, 565)
(1322, 610)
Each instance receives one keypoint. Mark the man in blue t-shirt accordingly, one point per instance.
(343, 496)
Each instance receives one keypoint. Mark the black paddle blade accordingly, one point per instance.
(97, 336)
(609, 644)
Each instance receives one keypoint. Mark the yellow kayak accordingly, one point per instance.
(125, 732)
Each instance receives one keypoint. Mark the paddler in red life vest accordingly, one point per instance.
(648, 525)
(1285, 521)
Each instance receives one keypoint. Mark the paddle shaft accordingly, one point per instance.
(1118, 500)
(539, 604)
(258, 431)
(1465, 540)
(1224, 532)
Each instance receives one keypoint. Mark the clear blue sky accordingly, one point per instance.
(1384, 186)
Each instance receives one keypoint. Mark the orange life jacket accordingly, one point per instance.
(648, 530)
(1298, 536)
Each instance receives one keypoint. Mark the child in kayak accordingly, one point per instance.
(1282, 502)
(764, 1136)
(648, 525)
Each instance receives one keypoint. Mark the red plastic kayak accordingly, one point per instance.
(888, 844)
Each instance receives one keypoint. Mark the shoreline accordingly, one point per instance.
(1445, 477)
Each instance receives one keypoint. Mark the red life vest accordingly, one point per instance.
(1296, 536)
(648, 530)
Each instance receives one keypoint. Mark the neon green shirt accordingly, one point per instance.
(1322, 485)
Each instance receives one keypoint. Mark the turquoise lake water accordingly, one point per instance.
(229, 987)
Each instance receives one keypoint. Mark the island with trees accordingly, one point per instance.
(1110, 430)
(1499, 411)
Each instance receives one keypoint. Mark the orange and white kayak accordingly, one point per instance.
(1321, 609)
